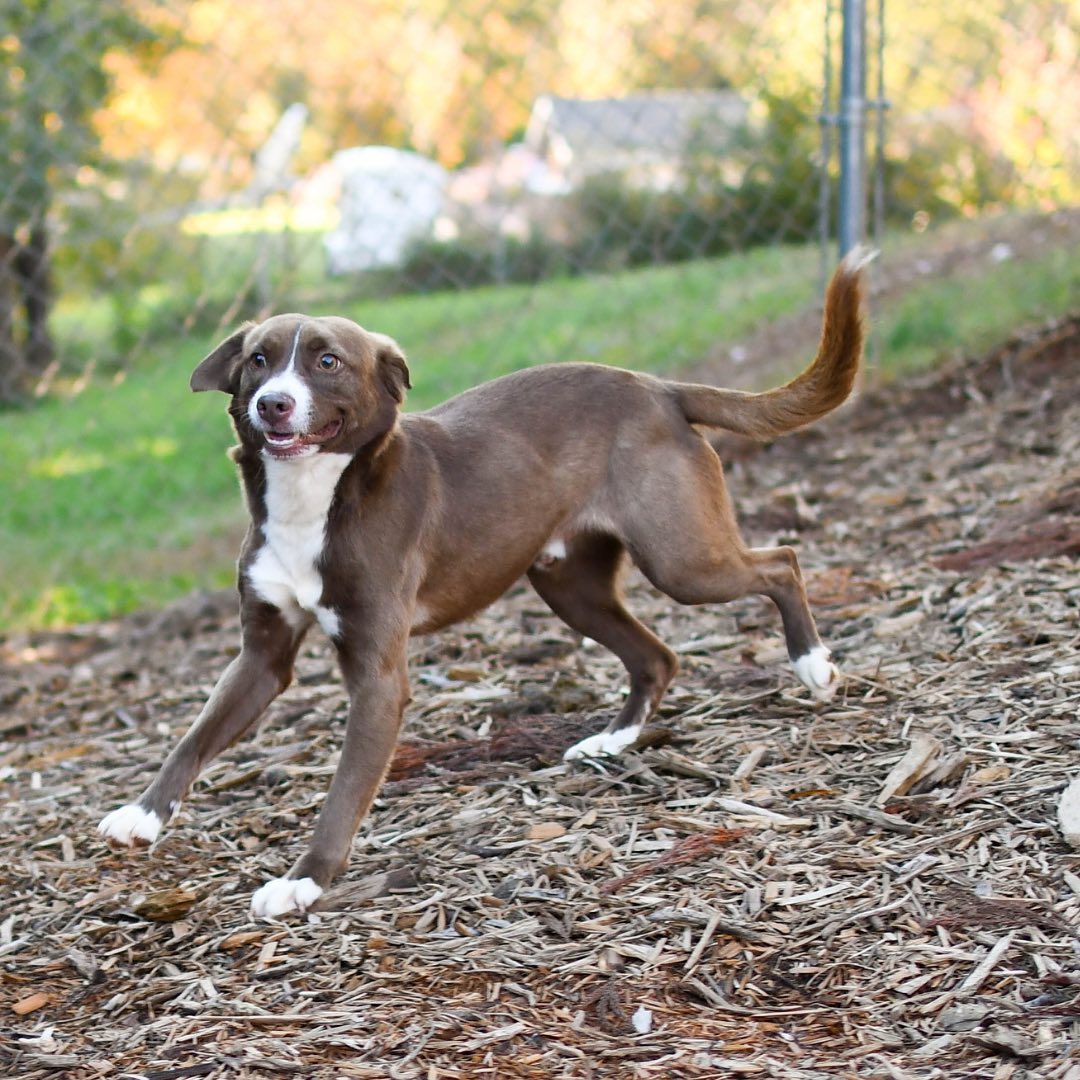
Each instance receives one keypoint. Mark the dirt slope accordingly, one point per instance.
(744, 879)
(951, 252)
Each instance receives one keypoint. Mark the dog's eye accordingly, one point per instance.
(329, 362)
(258, 360)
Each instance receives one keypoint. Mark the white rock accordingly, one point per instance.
(1069, 813)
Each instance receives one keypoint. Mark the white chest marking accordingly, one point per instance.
(284, 572)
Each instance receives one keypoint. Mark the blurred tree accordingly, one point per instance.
(52, 79)
(454, 78)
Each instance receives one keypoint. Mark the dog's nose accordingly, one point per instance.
(276, 406)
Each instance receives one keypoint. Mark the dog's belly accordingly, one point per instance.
(437, 608)
(458, 588)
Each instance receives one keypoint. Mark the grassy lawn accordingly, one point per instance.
(120, 496)
(959, 316)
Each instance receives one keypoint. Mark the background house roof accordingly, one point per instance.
(659, 123)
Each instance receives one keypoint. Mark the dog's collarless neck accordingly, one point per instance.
(302, 491)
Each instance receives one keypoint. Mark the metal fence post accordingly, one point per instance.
(851, 224)
(826, 123)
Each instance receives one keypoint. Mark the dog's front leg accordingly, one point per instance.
(261, 671)
(378, 693)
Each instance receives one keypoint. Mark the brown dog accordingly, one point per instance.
(380, 525)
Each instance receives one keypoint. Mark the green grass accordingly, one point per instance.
(114, 498)
(969, 315)
(120, 496)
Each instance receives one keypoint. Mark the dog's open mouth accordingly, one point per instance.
(284, 444)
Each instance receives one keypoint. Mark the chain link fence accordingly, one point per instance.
(172, 168)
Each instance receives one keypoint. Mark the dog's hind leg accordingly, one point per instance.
(779, 577)
(582, 588)
(685, 540)
(253, 679)
(739, 571)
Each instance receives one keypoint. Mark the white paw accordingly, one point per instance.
(130, 825)
(818, 673)
(282, 895)
(606, 744)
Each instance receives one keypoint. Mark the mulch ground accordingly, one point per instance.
(770, 888)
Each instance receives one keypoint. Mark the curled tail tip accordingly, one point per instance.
(858, 258)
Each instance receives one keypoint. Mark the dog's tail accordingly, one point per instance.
(823, 386)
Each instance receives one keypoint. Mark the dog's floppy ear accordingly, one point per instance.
(220, 370)
(393, 370)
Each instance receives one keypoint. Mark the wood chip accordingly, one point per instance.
(168, 905)
(912, 767)
(30, 1004)
(901, 624)
(546, 830)
(241, 938)
(986, 965)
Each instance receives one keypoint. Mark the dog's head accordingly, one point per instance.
(303, 385)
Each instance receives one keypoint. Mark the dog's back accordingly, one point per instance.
(550, 400)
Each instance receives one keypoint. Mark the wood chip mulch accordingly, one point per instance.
(766, 888)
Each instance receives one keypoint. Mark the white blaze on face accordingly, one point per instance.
(288, 382)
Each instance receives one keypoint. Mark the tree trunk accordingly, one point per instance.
(12, 369)
(32, 268)
(26, 282)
